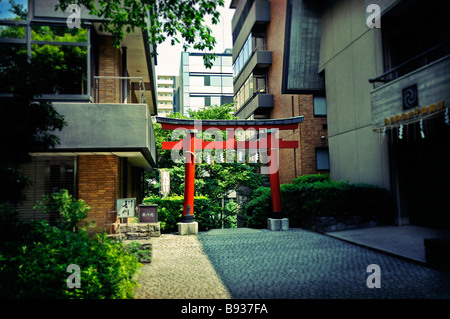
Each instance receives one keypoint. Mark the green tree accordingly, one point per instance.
(215, 180)
(163, 19)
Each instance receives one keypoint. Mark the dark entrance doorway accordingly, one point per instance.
(421, 167)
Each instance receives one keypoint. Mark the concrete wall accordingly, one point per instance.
(433, 83)
(97, 127)
(350, 54)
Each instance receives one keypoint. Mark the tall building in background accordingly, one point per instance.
(198, 86)
(275, 68)
(165, 94)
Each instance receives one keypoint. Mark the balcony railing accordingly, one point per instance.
(134, 85)
(414, 63)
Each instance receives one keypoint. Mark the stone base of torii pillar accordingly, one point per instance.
(276, 224)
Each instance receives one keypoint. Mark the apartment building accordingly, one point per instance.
(165, 94)
(388, 92)
(107, 96)
(275, 75)
(198, 86)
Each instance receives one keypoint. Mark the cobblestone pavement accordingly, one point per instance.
(179, 270)
(295, 264)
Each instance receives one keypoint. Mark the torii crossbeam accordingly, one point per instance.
(268, 142)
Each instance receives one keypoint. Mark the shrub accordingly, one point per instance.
(34, 257)
(170, 211)
(71, 211)
(303, 199)
(314, 178)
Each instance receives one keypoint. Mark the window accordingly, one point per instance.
(216, 81)
(227, 81)
(60, 55)
(207, 80)
(17, 10)
(320, 106)
(227, 61)
(322, 159)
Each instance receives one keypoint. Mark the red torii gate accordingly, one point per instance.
(268, 141)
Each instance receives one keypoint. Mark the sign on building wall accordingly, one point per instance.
(126, 207)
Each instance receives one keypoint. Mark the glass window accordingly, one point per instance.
(207, 80)
(227, 81)
(217, 61)
(227, 60)
(11, 55)
(12, 32)
(215, 100)
(58, 34)
(63, 66)
(320, 106)
(216, 81)
(207, 100)
(322, 159)
(14, 10)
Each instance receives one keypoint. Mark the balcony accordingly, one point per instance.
(407, 98)
(124, 130)
(245, 18)
(259, 59)
(260, 103)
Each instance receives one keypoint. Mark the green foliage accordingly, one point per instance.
(181, 21)
(139, 251)
(319, 196)
(215, 180)
(71, 211)
(170, 211)
(313, 178)
(34, 258)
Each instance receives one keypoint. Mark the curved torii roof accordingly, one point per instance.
(281, 124)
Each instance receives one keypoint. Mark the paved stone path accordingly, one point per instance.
(298, 264)
(179, 270)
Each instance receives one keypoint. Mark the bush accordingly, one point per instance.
(303, 200)
(170, 211)
(314, 178)
(34, 258)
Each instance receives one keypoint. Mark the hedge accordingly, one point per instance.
(170, 210)
(34, 258)
(317, 195)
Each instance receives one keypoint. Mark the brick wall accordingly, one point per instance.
(110, 64)
(300, 161)
(98, 185)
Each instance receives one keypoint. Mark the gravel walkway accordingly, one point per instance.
(295, 264)
(179, 270)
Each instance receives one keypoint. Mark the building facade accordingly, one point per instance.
(275, 63)
(198, 86)
(165, 94)
(387, 91)
(107, 97)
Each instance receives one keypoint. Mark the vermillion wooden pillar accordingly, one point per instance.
(189, 178)
(274, 178)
